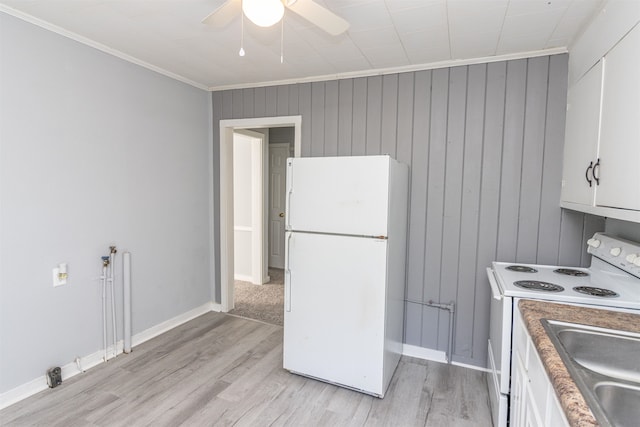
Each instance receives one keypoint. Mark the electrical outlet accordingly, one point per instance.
(59, 279)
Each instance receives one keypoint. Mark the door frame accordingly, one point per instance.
(226, 191)
(269, 195)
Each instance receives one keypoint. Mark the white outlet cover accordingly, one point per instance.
(56, 280)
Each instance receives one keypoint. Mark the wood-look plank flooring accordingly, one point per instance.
(221, 370)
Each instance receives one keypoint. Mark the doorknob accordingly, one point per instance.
(281, 215)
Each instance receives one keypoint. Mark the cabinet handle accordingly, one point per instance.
(596, 172)
(586, 173)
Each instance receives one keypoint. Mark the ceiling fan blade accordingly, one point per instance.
(319, 16)
(224, 14)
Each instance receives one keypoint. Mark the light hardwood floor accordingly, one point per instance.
(221, 370)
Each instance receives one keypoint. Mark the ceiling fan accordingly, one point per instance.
(266, 13)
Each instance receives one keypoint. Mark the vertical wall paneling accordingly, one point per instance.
(389, 114)
(404, 117)
(514, 111)
(282, 106)
(304, 99)
(374, 115)
(317, 118)
(293, 100)
(532, 161)
(490, 196)
(227, 104)
(237, 99)
(435, 205)
(483, 143)
(548, 241)
(248, 103)
(417, 206)
(572, 225)
(331, 119)
(260, 96)
(451, 226)
(359, 126)
(345, 116)
(271, 105)
(471, 174)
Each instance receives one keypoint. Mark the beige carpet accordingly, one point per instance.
(261, 302)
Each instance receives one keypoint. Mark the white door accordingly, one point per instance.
(278, 154)
(335, 309)
(338, 195)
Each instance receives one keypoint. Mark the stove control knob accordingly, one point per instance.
(615, 251)
(632, 257)
(594, 243)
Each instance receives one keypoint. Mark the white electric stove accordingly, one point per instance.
(612, 282)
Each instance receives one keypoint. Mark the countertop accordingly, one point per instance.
(574, 405)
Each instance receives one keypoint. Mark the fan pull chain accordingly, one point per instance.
(282, 41)
(241, 52)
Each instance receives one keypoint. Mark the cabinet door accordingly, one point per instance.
(581, 137)
(531, 412)
(620, 132)
(517, 391)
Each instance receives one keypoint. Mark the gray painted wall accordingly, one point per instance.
(484, 143)
(93, 151)
(624, 229)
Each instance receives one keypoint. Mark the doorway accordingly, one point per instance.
(227, 128)
(259, 170)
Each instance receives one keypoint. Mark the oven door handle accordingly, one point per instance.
(495, 288)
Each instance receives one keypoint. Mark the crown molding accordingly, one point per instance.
(91, 43)
(396, 70)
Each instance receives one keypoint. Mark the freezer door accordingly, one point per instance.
(340, 195)
(334, 321)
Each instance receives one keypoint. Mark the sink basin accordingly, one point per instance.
(610, 354)
(604, 365)
(619, 402)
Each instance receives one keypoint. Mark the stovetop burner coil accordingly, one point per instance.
(536, 285)
(522, 269)
(571, 272)
(596, 292)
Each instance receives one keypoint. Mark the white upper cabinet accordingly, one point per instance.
(620, 128)
(601, 173)
(581, 138)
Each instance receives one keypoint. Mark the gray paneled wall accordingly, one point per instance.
(484, 143)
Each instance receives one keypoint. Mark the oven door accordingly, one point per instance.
(499, 357)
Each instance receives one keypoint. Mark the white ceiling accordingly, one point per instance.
(384, 35)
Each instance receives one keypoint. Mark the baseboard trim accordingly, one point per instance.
(474, 367)
(73, 368)
(435, 356)
(243, 278)
(424, 353)
(167, 325)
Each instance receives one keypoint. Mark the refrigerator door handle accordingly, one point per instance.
(287, 279)
(289, 183)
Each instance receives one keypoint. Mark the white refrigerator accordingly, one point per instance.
(346, 221)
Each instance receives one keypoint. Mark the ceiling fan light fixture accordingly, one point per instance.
(263, 13)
